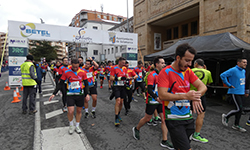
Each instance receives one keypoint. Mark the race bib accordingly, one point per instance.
(89, 75)
(121, 83)
(57, 73)
(140, 74)
(182, 103)
(101, 72)
(74, 85)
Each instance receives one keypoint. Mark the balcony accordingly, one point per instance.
(83, 16)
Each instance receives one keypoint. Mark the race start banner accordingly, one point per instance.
(18, 50)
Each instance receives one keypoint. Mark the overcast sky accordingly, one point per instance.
(56, 12)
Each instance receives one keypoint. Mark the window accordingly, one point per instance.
(95, 27)
(176, 33)
(112, 50)
(169, 34)
(194, 28)
(104, 17)
(95, 52)
(114, 19)
(98, 16)
(77, 17)
(184, 30)
(110, 17)
(108, 51)
(105, 52)
(116, 49)
(77, 24)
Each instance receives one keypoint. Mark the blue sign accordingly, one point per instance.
(14, 71)
(18, 51)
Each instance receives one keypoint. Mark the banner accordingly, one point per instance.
(36, 31)
(16, 61)
(14, 71)
(17, 42)
(15, 80)
(18, 51)
(157, 41)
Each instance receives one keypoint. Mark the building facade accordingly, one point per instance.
(2, 40)
(61, 50)
(160, 23)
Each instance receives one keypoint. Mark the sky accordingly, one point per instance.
(56, 12)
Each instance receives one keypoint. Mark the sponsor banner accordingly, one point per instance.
(130, 56)
(15, 80)
(17, 42)
(132, 64)
(132, 49)
(14, 71)
(18, 51)
(36, 31)
(16, 61)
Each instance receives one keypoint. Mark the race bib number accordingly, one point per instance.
(140, 74)
(121, 83)
(89, 75)
(75, 85)
(182, 103)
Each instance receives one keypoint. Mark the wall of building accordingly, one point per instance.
(214, 17)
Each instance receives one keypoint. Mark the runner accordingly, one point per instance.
(80, 59)
(56, 72)
(174, 89)
(44, 66)
(234, 78)
(102, 72)
(153, 103)
(205, 76)
(138, 82)
(76, 91)
(62, 69)
(107, 72)
(118, 75)
(131, 77)
(89, 69)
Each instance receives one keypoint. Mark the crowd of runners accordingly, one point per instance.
(171, 93)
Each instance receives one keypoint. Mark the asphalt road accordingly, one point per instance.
(17, 130)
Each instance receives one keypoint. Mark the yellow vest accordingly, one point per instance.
(25, 71)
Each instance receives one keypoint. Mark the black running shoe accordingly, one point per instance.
(93, 114)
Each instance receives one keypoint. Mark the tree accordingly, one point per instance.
(40, 49)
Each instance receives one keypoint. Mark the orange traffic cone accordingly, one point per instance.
(21, 88)
(15, 98)
(17, 92)
(7, 86)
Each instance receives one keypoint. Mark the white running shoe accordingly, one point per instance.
(78, 130)
(71, 129)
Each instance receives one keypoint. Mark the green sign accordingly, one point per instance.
(130, 56)
(18, 51)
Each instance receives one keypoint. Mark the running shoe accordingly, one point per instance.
(152, 123)
(134, 99)
(101, 87)
(93, 114)
(119, 118)
(24, 112)
(199, 138)
(126, 112)
(224, 120)
(86, 115)
(32, 112)
(137, 95)
(78, 130)
(157, 120)
(136, 133)
(239, 128)
(64, 109)
(248, 123)
(71, 129)
(167, 144)
(117, 123)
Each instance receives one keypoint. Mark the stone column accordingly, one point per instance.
(241, 20)
(201, 17)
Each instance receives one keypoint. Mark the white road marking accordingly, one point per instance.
(50, 102)
(53, 113)
(37, 95)
(37, 128)
(46, 95)
(59, 138)
(51, 89)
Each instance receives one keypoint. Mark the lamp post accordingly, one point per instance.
(127, 17)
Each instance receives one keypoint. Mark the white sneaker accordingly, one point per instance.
(138, 95)
(78, 130)
(224, 120)
(71, 129)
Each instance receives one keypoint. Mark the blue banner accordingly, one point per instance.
(14, 71)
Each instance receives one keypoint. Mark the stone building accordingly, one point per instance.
(160, 23)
